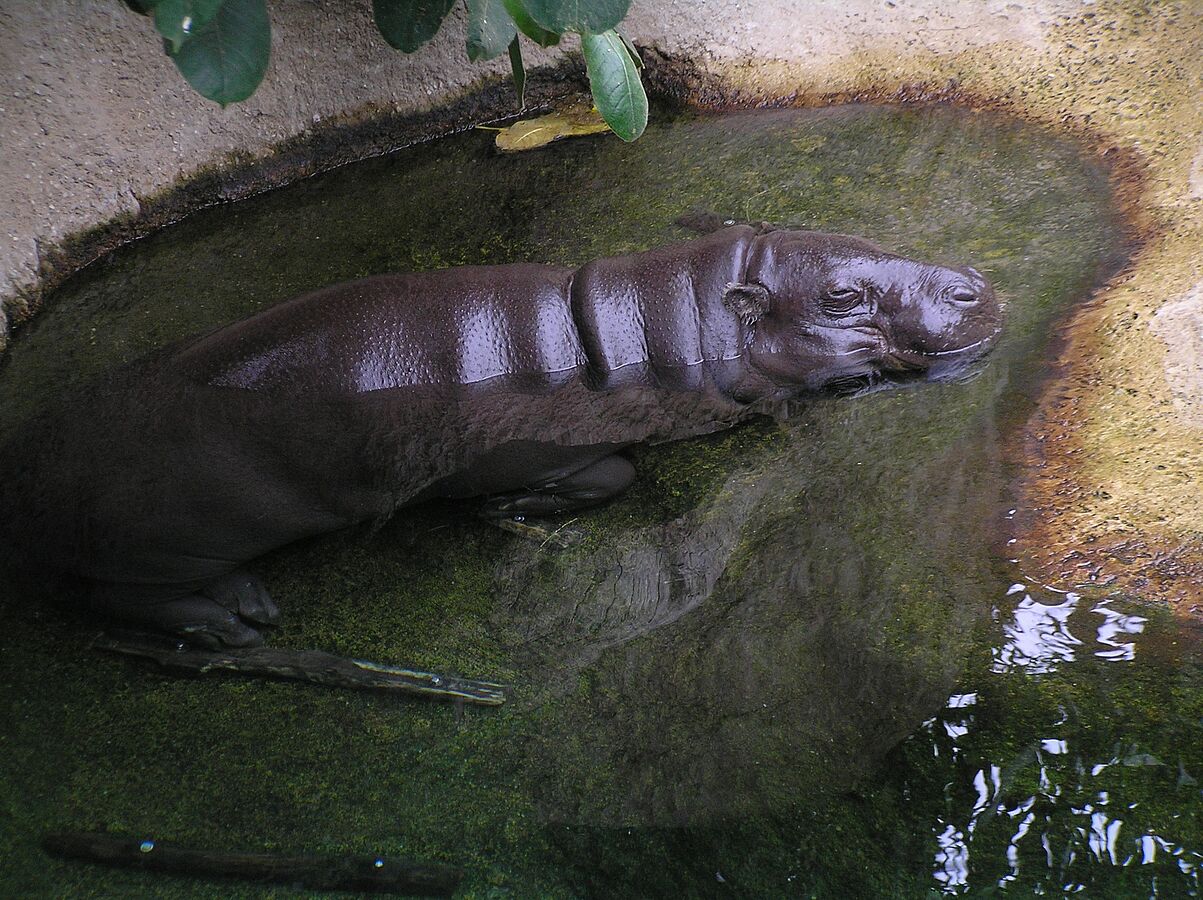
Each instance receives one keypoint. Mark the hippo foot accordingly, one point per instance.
(601, 480)
(227, 612)
(244, 594)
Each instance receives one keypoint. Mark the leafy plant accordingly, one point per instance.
(222, 47)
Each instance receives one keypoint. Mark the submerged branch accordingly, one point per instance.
(314, 666)
(322, 873)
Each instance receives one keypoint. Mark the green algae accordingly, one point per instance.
(728, 676)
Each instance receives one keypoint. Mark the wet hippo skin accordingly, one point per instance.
(519, 384)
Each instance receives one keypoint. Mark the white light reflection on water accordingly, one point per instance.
(1114, 625)
(952, 861)
(1037, 640)
(1038, 637)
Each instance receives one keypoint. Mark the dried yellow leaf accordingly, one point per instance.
(530, 134)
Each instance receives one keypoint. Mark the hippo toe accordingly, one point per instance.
(228, 612)
(244, 594)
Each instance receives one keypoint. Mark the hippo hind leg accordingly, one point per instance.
(563, 492)
(226, 612)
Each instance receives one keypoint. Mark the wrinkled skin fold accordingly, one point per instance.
(520, 384)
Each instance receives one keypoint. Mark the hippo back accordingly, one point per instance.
(657, 317)
(455, 327)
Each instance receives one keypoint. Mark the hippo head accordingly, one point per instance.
(825, 311)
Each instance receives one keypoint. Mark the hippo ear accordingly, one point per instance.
(748, 301)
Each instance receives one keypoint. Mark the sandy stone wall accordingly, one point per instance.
(94, 117)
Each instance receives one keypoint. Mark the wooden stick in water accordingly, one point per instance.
(322, 873)
(307, 665)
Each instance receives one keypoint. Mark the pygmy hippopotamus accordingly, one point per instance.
(518, 383)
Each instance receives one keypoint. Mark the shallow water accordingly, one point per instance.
(793, 660)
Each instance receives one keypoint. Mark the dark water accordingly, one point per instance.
(793, 661)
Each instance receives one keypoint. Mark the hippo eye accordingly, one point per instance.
(841, 302)
(964, 297)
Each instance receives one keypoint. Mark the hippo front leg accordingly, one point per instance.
(561, 492)
(227, 612)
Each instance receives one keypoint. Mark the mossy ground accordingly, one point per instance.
(715, 680)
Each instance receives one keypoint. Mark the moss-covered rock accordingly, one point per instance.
(713, 678)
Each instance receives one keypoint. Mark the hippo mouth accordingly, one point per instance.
(984, 342)
(936, 364)
(951, 365)
(908, 362)
(900, 368)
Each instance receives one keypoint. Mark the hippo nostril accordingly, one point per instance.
(965, 298)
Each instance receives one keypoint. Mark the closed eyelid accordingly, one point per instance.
(847, 302)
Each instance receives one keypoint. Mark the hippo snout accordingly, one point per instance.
(951, 321)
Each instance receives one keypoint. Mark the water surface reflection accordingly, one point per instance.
(777, 639)
(1087, 785)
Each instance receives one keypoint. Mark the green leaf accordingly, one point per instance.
(177, 20)
(635, 57)
(226, 58)
(519, 71)
(490, 29)
(529, 26)
(615, 83)
(592, 16)
(408, 24)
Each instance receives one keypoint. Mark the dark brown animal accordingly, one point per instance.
(517, 383)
